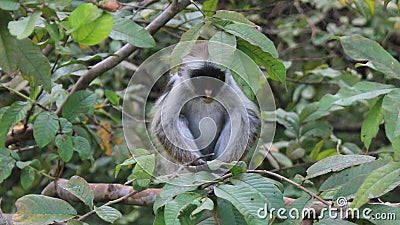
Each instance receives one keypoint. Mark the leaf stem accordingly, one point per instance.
(20, 94)
(290, 182)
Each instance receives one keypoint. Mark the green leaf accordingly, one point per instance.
(8, 44)
(39, 210)
(112, 97)
(82, 146)
(311, 112)
(317, 129)
(80, 188)
(363, 8)
(23, 55)
(221, 48)
(74, 69)
(348, 95)
(94, 32)
(253, 36)
(376, 183)
(45, 128)
(183, 183)
(15, 113)
(245, 68)
(265, 187)
(7, 163)
(108, 213)
(159, 220)
(27, 177)
(378, 210)
(83, 14)
(65, 146)
(363, 49)
(66, 127)
(204, 204)
(275, 68)
(185, 44)
(290, 121)
(129, 31)
(233, 16)
(336, 163)
(85, 59)
(209, 6)
(228, 213)
(347, 175)
(127, 162)
(24, 27)
(175, 207)
(371, 5)
(143, 171)
(370, 125)
(280, 158)
(391, 105)
(246, 200)
(9, 5)
(33, 63)
(317, 148)
(79, 102)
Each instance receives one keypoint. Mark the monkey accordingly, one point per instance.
(203, 114)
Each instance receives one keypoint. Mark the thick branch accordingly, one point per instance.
(105, 193)
(110, 62)
(127, 49)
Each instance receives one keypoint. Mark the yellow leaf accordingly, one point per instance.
(83, 47)
(117, 141)
(104, 133)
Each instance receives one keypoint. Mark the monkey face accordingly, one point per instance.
(207, 82)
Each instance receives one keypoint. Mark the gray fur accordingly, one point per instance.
(227, 127)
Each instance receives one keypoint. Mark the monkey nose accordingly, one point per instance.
(208, 93)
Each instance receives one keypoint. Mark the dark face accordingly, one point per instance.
(207, 81)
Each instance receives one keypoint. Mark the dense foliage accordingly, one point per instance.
(331, 65)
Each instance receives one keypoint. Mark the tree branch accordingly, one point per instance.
(127, 49)
(109, 63)
(105, 193)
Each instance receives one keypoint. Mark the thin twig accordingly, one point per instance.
(310, 23)
(290, 182)
(109, 203)
(198, 8)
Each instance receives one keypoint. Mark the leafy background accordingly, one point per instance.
(332, 66)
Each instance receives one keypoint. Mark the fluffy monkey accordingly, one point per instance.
(203, 114)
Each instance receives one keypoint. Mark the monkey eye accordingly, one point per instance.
(208, 71)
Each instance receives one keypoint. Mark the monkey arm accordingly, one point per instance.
(176, 138)
(238, 136)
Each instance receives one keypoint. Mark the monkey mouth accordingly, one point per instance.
(208, 96)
